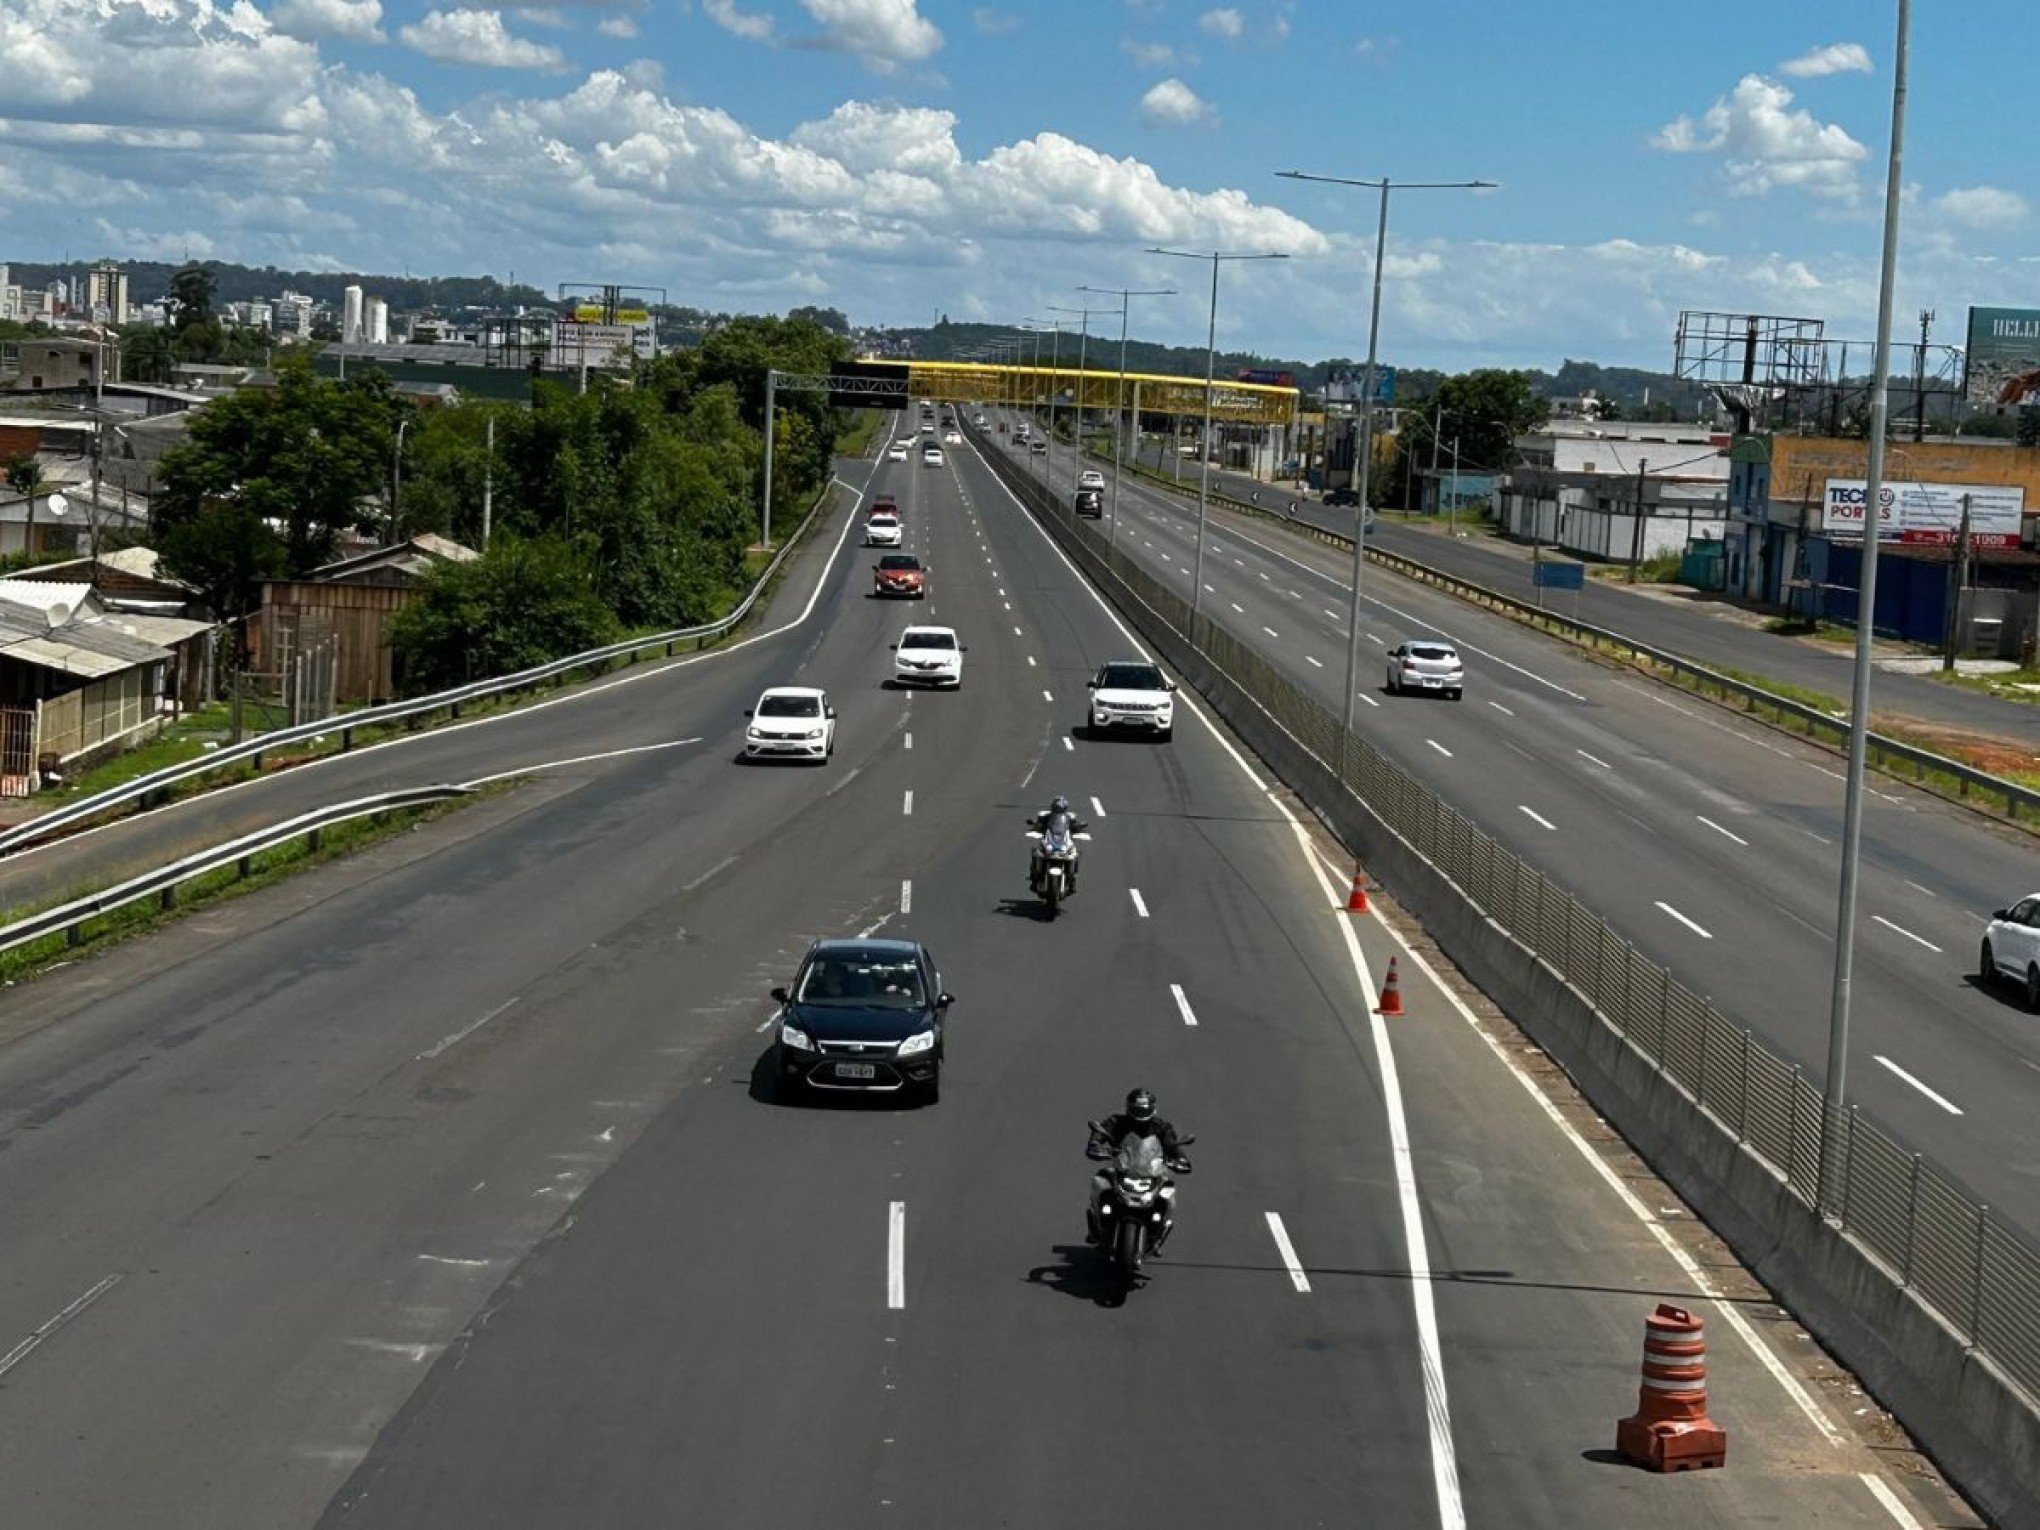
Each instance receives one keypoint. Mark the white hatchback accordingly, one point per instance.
(1426, 664)
(897, 452)
(1090, 478)
(882, 530)
(928, 656)
(931, 455)
(2011, 948)
(791, 722)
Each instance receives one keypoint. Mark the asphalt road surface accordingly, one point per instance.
(1690, 629)
(1710, 842)
(446, 1186)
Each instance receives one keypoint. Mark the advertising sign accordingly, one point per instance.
(1344, 385)
(2002, 367)
(591, 313)
(1927, 514)
(1267, 378)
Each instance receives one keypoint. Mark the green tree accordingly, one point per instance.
(191, 297)
(148, 352)
(1483, 411)
(518, 605)
(25, 477)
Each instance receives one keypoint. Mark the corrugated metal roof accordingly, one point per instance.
(52, 653)
(44, 593)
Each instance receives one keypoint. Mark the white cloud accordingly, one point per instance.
(1225, 21)
(1835, 58)
(478, 38)
(1766, 145)
(883, 33)
(542, 16)
(994, 23)
(360, 20)
(1982, 207)
(753, 25)
(1154, 55)
(617, 26)
(1171, 103)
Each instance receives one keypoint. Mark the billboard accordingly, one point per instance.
(1344, 385)
(1266, 378)
(592, 313)
(2001, 369)
(1927, 514)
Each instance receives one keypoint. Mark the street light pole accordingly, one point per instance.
(1083, 354)
(397, 478)
(1119, 411)
(1834, 1113)
(1216, 257)
(1366, 445)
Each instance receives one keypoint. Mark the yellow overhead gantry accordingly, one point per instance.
(1022, 386)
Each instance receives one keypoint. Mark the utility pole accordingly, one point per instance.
(1636, 521)
(771, 397)
(1961, 571)
(489, 481)
(1920, 377)
(1437, 430)
(1452, 504)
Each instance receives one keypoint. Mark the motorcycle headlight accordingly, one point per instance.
(793, 1036)
(1137, 1184)
(920, 1041)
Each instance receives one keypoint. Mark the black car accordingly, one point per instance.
(1337, 497)
(863, 1015)
(1091, 502)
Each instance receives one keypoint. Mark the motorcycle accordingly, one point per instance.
(1052, 870)
(1133, 1199)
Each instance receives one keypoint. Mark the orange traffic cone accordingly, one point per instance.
(1391, 993)
(1670, 1430)
(1356, 900)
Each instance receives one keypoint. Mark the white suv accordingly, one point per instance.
(1132, 693)
(791, 722)
(928, 656)
(2011, 947)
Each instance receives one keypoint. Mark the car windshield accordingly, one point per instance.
(1130, 677)
(942, 640)
(1436, 652)
(894, 562)
(861, 982)
(790, 706)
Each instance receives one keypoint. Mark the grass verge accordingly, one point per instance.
(215, 887)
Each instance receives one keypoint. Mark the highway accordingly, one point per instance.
(1709, 841)
(1691, 629)
(447, 1186)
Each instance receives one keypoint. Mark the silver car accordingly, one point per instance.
(1426, 664)
(2011, 948)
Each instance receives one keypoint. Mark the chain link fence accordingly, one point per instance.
(1934, 1239)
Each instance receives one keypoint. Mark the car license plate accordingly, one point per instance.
(856, 1070)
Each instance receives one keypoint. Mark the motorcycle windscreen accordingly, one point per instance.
(1141, 1156)
(1055, 836)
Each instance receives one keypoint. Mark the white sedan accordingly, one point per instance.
(882, 530)
(931, 455)
(952, 438)
(897, 452)
(2011, 948)
(1090, 478)
(928, 656)
(791, 722)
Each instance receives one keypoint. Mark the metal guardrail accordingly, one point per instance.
(1934, 1239)
(44, 825)
(1894, 756)
(162, 882)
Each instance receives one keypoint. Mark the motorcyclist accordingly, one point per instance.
(1138, 1120)
(1057, 810)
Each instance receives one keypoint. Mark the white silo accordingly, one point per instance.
(378, 322)
(350, 316)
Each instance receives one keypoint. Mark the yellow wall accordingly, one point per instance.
(1797, 459)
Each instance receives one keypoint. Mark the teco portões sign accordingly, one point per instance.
(1927, 514)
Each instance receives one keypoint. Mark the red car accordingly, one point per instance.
(899, 574)
(884, 504)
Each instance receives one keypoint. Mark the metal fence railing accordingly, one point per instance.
(1935, 1239)
(449, 701)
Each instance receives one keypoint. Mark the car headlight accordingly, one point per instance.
(793, 1036)
(814, 733)
(920, 1041)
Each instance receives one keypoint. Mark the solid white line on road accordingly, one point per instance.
(1139, 903)
(1536, 817)
(1593, 759)
(1439, 747)
(1288, 1252)
(1689, 924)
(579, 759)
(1069, 744)
(907, 806)
(1941, 1100)
(445, 1042)
(1313, 662)
(1908, 934)
(1239, 608)
(1097, 807)
(1718, 829)
(896, 1257)
(1182, 1004)
(78, 1304)
(906, 895)
(1273, 633)
(1890, 1501)
(1501, 709)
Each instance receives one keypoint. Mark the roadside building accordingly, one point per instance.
(1617, 490)
(53, 363)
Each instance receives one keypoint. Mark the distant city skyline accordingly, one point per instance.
(882, 156)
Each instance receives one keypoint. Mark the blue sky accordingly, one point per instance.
(899, 158)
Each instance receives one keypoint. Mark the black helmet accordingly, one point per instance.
(1061, 804)
(1140, 1105)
